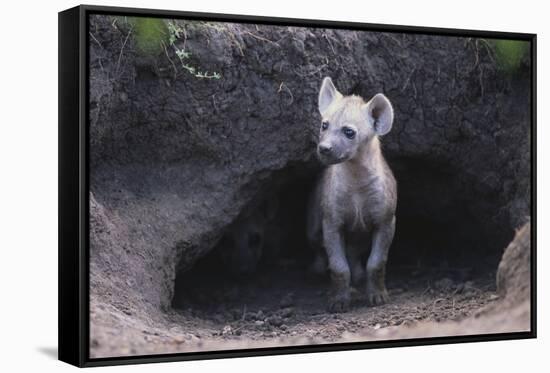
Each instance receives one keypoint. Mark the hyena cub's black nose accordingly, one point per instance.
(325, 149)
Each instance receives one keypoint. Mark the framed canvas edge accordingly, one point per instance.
(73, 287)
(303, 22)
(71, 272)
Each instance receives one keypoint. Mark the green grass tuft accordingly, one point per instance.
(510, 53)
(150, 34)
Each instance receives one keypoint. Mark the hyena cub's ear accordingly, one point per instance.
(327, 95)
(380, 113)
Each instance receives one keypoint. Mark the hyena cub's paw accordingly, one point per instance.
(339, 302)
(377, 297)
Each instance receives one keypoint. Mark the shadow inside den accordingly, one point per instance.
(263, 262)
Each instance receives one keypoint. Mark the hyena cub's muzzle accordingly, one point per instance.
(329, 154)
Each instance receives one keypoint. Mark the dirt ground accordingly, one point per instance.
(264, 313)
(265, 308)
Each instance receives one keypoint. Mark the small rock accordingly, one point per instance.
(179, 339)
(445, 284)
(227, 330)
(469, 290)
(275, 321)
(250, 317)
(127, 312)
(174, 330)
(287, 312)
(259, 322)
(459, 288)
(408, 323)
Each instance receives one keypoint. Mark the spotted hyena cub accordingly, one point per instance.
(352, 209)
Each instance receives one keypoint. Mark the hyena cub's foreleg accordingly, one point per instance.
(340, 274)
(376, 264)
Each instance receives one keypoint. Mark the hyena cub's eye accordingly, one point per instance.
(324, 125)
(350, 133)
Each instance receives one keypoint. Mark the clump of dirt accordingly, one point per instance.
(514, 270)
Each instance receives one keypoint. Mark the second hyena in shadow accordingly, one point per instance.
(352, 209)
(244, 244)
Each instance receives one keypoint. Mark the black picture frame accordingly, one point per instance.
(74, 186)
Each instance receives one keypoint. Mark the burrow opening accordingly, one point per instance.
(445, 231)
